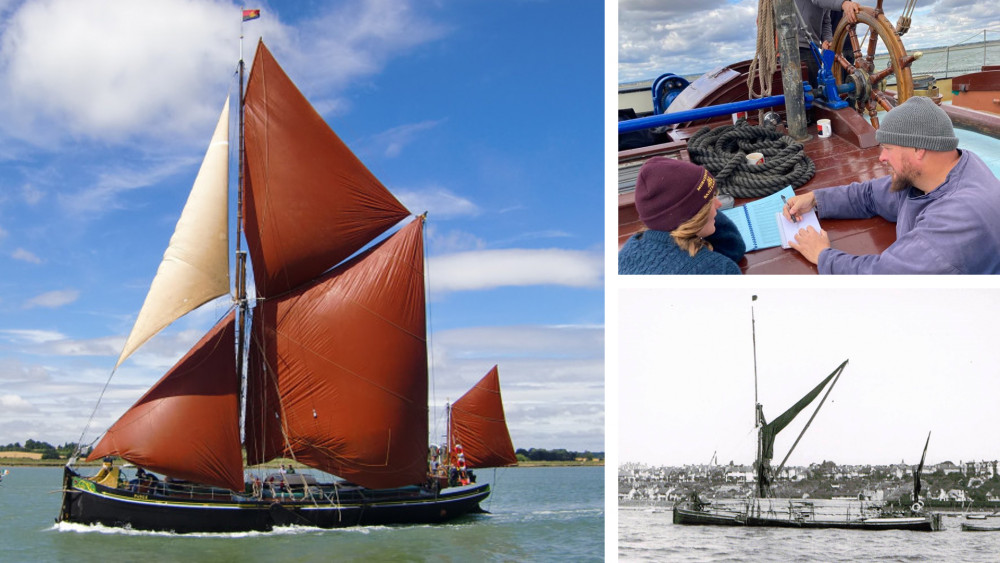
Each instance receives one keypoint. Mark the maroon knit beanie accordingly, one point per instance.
(668, 192)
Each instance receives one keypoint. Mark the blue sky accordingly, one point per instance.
(483, 114)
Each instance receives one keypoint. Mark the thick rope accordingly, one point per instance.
(765, 60)
(723, 152)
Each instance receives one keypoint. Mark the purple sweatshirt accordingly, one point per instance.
(954, 229)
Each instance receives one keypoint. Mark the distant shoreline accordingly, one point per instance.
(16, 462)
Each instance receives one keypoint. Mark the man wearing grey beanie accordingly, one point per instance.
(945, 203)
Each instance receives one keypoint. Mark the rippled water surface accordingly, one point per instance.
(540, 513)
(648, 534)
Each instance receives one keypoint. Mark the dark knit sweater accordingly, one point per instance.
(655, 252)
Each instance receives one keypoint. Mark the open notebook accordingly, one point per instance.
(762, 225)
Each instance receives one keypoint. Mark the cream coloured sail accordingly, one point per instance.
(195, 266)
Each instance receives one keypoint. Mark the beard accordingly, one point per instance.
(903, 178)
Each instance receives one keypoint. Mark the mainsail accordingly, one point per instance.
(338, 370)
(769, 431)
(479, 426)
(195, 266)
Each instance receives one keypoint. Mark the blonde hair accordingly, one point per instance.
(686, 235)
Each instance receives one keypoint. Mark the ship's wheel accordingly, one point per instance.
(862, 40)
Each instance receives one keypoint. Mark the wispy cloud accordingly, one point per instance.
(486, 269)
(390, 143)
(32, 336)
(26, 256)
(438, 202)
(53, 299)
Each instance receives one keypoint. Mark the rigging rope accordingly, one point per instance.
(765, 60)
(723, 152)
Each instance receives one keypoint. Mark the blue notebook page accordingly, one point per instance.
(755, 220)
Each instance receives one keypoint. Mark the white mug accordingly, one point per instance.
(755, 158)
(823, 128)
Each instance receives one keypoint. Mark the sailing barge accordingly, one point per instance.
(761, 509)
(332, 345)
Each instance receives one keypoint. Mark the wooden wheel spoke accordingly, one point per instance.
(883, 100)
(880, 76)
(852, 35)
(872, 45)
(844, 63)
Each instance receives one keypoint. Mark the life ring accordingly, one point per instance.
(458, 449)
(917, 506)
(461, 462)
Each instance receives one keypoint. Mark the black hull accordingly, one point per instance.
(85, 502)
(687, 516)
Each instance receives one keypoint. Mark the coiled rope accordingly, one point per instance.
(723, 152)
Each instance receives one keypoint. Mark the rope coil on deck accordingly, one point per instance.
(723, 152)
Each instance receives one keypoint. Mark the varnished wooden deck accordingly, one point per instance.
(838, 161)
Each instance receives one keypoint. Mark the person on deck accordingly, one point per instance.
(684, 234)
(816, 14)
(945, 203)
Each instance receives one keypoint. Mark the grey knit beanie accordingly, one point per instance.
(919, 123)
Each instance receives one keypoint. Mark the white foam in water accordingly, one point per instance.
(278, 531)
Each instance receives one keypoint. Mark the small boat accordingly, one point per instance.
(325, 361)
(967, 527)
(763, 510)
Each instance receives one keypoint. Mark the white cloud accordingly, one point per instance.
(53, 299)
(115, 68)
(25, 255)
(515, 267)
(33, 336)
(118, 71)
(14, 403)
(437, 202)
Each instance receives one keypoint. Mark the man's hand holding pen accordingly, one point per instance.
(795, 206)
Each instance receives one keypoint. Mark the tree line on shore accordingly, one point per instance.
(539, 454)
(47, 450)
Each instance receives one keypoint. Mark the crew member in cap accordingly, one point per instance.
(945, 203)
(684, 235)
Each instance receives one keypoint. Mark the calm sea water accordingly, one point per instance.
(538, 513)
(649, 534)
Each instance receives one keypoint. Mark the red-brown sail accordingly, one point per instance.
(338, 370)
(187, 425)
(479, 426)
(310, 203)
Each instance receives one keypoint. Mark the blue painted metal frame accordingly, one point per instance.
(710, 111)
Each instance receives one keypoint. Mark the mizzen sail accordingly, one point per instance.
(310, 203)
(479, 426)
(195, 266)
(337, 376)
(187, 425)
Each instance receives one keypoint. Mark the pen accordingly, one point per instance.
(785, 201)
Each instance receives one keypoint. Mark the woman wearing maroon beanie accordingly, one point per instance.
(684, 235)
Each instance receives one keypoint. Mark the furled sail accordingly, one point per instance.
(479, 426)
(195, 266)
(769, 431)
(310, 203)
(337, 374)
(187, 425)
